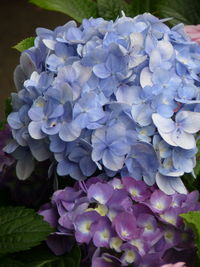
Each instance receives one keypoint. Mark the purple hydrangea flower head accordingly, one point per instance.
(119, 96)
(125, 228)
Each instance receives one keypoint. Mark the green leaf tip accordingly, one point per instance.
(25, 44)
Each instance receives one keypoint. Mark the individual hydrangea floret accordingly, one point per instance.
(117, 96)
(123, 220)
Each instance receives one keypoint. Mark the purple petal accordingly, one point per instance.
(102, 233)
(100, 192)
(137, 189)
(59, 244)
(125, 226)
(83, 224)
(159, 201)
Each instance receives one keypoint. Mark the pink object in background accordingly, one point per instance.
(178, 264)
(194, 32)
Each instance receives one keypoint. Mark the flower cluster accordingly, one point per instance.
(120, 96)
(124, 219)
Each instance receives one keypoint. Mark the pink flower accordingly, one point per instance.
(194, 32)
(178, 264)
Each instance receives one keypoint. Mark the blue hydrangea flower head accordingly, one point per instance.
(120, 96)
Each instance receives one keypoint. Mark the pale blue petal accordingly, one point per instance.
(119, 147)
(14, 120)
(191, 121)
(167, 137)
(97, 152)
(128, 94)
(146, 77)
(178, 185)
(87, 166)
(63, 168)
(25, 167)
(99, 136)
(70, 131)
(11, 147)
(39, 150)
(100, 71)
(142, 114)
(34, 129)
(164, 184)
(166, 49)
(163, 124)
(155, 60)
(112, 162)
(183, 139)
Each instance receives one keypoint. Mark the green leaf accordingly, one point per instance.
(36, 257)
(183, 11)
(197, 168)
(111, 9)
(8, 106)
(140, 7)
(192, 218)
(21, 229)
(75, 254)
(25, 44)
(2, 124)
(77, 9)
(7, 262)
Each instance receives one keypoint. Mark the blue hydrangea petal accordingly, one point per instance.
(146, 77)
(168, 138)
(183, 139)
(163, 124)
(111, 161)
(87, 166)
(63, 168)
(14, 120)
(190, 121)
(69, 131)
(39, 150)
(127, 94)
(181, 162)
(178, 185)
(155, 60)
(56, 144)
(25, 167)
(34, 129)
(100, 71)
(164, 184)
(166, 49)
(142, 114)
(97, 152)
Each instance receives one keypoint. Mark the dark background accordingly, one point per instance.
(18, 20)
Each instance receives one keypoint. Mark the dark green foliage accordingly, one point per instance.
(21, 229)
